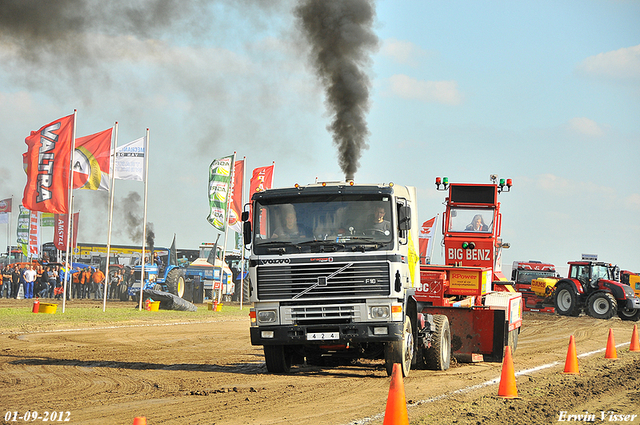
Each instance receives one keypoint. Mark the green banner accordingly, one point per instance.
(46, 220)
(220, 172)
(23, 230)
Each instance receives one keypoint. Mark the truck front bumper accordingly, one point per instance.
(326, 334)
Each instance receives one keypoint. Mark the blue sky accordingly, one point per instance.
(546, 93)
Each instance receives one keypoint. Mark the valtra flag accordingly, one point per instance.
(91, 161)
(5, 205)
(47, 166)
(261, 179)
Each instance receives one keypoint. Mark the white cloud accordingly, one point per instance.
(633, 202)
(428, 91)
(403, 52)
(585, 126)
(621, 64)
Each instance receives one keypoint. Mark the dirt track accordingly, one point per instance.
(207, 372)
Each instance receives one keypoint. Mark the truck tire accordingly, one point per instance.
(601, 305)
(400, 351)
(566, 301)
(277, 358)
(175, 282)
(438, 356)
(628, 314)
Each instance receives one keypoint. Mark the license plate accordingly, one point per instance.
(322, 336)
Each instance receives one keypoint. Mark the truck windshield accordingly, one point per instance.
(320, 223)
(471, 220)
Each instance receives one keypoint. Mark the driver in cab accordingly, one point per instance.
(379, 223)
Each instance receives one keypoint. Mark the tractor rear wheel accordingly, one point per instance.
(566, 301)
(438, 356)
(601, 305)
(400, 351)
(175, 282)
(629, 314)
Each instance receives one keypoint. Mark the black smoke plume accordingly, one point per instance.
(341, 36)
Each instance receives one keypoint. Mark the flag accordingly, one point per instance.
(129, 161)
(34, 234)
(47, 220)
(4, 218)
(220, 173)
(22, 230)
(427, 232)
(235, 198)
(47, 160)
(61, 229)
(5, 205)
(91, 160)
(261, 179)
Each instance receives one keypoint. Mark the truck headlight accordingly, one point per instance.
(379, 312)
(267, 316)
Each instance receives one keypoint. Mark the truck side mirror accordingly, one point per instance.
(246, 230)
(404, 218)
(245, 216)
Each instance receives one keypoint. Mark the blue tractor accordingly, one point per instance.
(163, 274)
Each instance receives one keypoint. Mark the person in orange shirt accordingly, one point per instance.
(98, 280)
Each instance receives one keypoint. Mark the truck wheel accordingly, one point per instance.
(175, 282)
(628, 314)
(278, 359)
(400, 351)
(601, 305)
(438, 356)
(566, 301)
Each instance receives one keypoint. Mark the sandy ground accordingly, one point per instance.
(207, 372)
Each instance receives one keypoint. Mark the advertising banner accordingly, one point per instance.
(220, 173)
(47, 166)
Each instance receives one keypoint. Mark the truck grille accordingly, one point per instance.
(325, 280)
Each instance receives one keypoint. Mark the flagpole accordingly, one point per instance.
(244, 178)
(144, 219)
(226, 226)
(112, 189)
(69, 212)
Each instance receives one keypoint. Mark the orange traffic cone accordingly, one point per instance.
(396, 412)
(140, 420)
(571, 364)
(635, 345)
(611, 352)
(507, 387)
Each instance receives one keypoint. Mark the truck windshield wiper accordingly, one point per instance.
(278, 246)
(323, 243)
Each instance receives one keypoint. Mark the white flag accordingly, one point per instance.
(4, 218)
(129, 163)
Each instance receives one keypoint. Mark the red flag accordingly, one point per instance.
(47, 160)
(91, 161)
(235, 201)
(261, 179)
(5, 205)
(427, 232)
(61, 229)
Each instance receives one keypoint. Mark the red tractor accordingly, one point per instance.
(595, 287)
